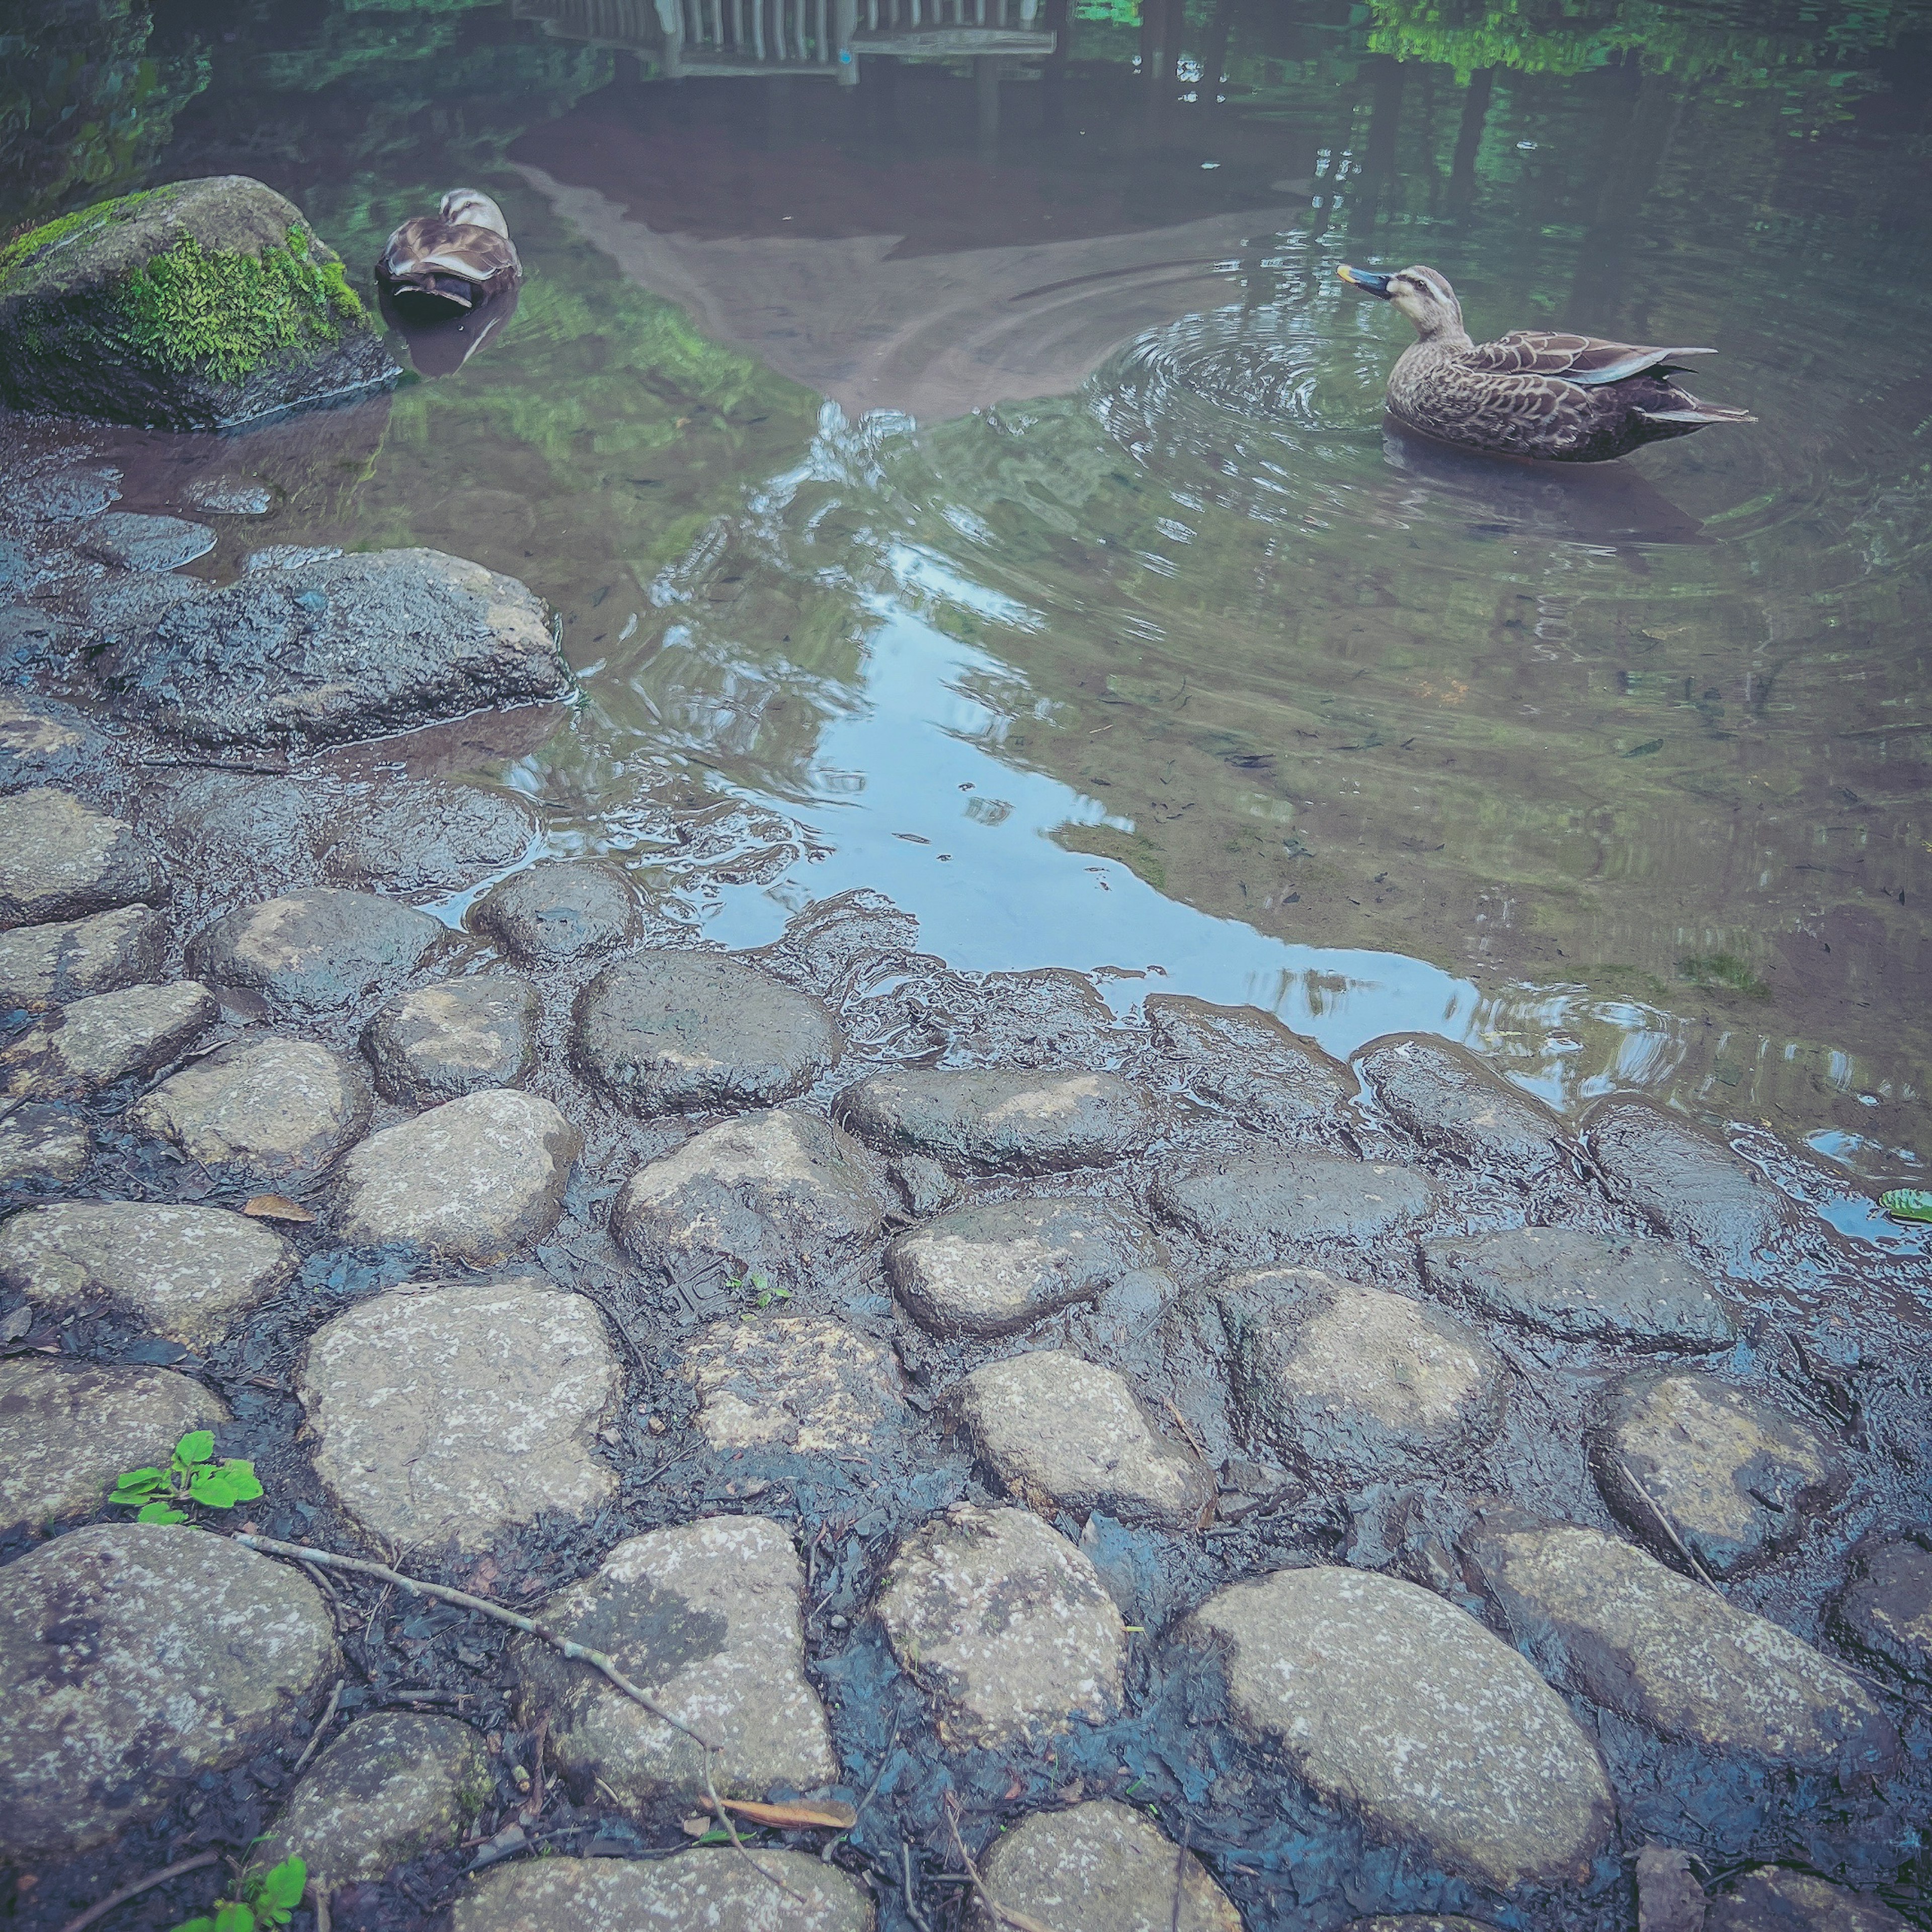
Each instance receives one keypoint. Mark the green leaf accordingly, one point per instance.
(196, 1446)
(161, 1512)
(283, 1885)
(222, 1487)
(136, 1486)
(233, 1916)
(1907, 1203)
(196, 1925)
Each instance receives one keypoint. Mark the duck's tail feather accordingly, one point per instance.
(1689, 410)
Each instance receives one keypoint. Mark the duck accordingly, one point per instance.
(1534, 393)
(446, 263)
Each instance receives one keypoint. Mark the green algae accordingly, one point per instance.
(25, 248)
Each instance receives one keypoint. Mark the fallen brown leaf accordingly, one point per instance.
(832, 1816)
(275, 1208)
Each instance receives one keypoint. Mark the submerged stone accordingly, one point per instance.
(559, 909)
(702, 1891)
(316, 951)
(1887, 1611)
(1260, 1207)
(418, 838)
(456, 1037)
(1448, 1100)
(1247, 1061)
(132, 542)
(1038, 1121)
(98, 1043)
(804, 1383)
(60, 859)
(75, 959)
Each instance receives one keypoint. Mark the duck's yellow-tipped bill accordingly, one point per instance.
(1366, 280)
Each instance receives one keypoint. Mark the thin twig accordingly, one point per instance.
(1004, 1915)
(1179, 1875)
(136, 1888)
(319, 1898)
(1668, 1527)
(724, 1818)
(913, 1912)
(322, 1724)
(1194, 1441)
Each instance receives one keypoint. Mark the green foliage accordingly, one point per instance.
(1722, 973)
(96, 214)
(266, 1899)
(192, 1476)
(1907, 1203)
(760, 1288)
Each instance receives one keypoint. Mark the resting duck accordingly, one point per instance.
(1565, 398)
(447, 262)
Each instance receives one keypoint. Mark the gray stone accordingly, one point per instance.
(1774, 1899)
(42, 1147)
(1351, 1382)
(1060, 1432)
(1100, 1867)
(476, 1178)
(996, 1268)
(95, 1043)
(68, 1429)
(456, 1037)
(1390, 1700)
(1245, 1060)
(1583, 1285)
(1261, 1207)
(1672, 1654)
(60, 859)
(448, 1414)
(1416, 1921)
(1005, 1624)
(704, 1891)
(1448, 1100)
(783, 1194)
(1737, 1478)
(804, 1383)
(676, 1031)
(560, 909)
(1887, 1611)
(63, 496)
(316, 951)
(1687, 1184)
(1023, 1121)
(1669, 1897)
(392, 1787)
(132, 542)
(287, 556)
(116, 1700)
(69, 960)
(928, 1189)
(263, 1109)
(40, 743)
(707, 1619)
(413, 837)
(230, 496)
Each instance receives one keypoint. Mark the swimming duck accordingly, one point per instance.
(1564, 398)
(446, 262)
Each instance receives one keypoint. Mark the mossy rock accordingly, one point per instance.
(200, 305)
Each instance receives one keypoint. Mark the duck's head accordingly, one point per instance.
(1422, 294)
(470, 208)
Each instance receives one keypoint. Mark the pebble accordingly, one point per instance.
(130, 541)
(804, 1383)
(559, 909)
(116, 1701)
(477, 1178)
(678, 1031)
(1737, 1477)
(263, 1110)
(416, 838)
(1584, 1286)
(42, 1147)
(98, 1042)
(1450, 1101)
(707, 1619)
(70, 959)
(706, 1891)
(456, 1036)
(1886, 1613)
(998, 1267)
(316, 951)
(1060, 1432)
(1011, 1119)
(1351, 1383)
(1005, 1624)
(389, 1789)
(1100, 1867)
(187, 1272)
(1256, 1208)
(1245, 1060)
(60, 859)
(1673, 1655)
(1391, 1701)
(1773, 1898)
(68, 1429)
(451, 1413)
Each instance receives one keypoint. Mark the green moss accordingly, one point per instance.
(97, 214)
(1722, 973)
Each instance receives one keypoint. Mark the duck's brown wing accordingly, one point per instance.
(428, 245)
(1586, 360)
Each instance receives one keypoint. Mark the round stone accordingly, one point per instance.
(71, 961)
(455, 1037)
(316, 951)
(1246, 1061)
(1887, 1612)
(1446, 1097)
(96, 1043)
(804, 1383)
(1257, 1208)
(1025, 1121)
(60, 859)
(559, 909)
(413, 837)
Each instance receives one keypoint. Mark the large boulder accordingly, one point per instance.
(198, 305)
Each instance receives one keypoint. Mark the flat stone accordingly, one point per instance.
(230, 496)
(42, 1147)
(675, 1031)
(1887, 1611)
(1351, 1382)
(1416, 1921)
(1260, 1207)
(1669, 1897)
(1774, 1899)
(1005, 1625)
(707, 1619)
(1390, 1700)
(392, 1787)
(1687, 1184)
(997, 1267)
(40, 743)
(130, 541)
(1738, 1476)
(1020, 1121)
(98, 1042)
(264, 1109)
(804, 1383)
(187, 1272)
(1672, 1654)
(559, 909)
(1100, 1867)
(456, 1037)
(1245, 1060)
(450, 1414)
(63, 496)
(413, 837)
(1584, 1286)
(1449, 1100)
(60, 859)
(781, 1194)
(704, 1891)
(316, 951)
(72, 959)
(68, 1429)
(476, 1178)
(1060, 1432)
(116, 1700)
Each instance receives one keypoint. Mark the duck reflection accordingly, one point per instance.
(440, 346)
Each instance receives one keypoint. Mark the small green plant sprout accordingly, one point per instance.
(1907, 1203)
(266, 1899)
(192, 1476)
(760, 1288)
